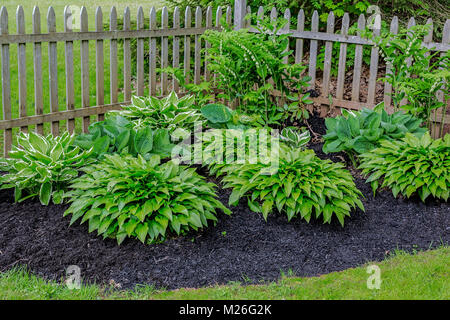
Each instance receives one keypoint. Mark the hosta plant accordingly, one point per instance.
(359, 132)
(410, 165)
(132, 197)
(169, 112)
(302, 186)
(118, 135)
(43, 166)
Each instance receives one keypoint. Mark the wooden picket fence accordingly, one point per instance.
(161, 84)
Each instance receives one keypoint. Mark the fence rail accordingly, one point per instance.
(168, 44)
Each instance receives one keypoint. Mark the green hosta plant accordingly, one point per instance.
(359, 132)
(411, 165)
(219, 116)
(169, 112)
(124, 197)
(118, 135)
(302, 186)
(43, 166)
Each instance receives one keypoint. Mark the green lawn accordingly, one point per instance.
(425, 275)
(59, 5)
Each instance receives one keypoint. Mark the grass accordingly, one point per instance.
(58, 5)
(423, 275)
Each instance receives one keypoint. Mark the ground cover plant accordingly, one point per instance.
(362, 131)
(410, 165)
(43, 166)
(303, 185)
(118, 135)
(124, 197)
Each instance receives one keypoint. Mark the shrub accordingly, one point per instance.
(250, 66)
(226, 150)
(131, 197)
(117, 135)
(417, 81)
(410, 165)
(169, 112)
(303, 185)
(360, 132)
(42, 166)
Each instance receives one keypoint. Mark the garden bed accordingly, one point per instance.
(241, 247)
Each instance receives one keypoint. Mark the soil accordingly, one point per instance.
(241, 247)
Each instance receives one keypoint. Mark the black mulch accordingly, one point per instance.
(240, 247)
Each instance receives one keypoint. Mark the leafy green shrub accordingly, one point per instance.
(303, 185)
(118, 135)
(417, 81)
(220, 116)
(169, 112)
(362, 131)
(410, 165)
(131, 197)
(42, 166)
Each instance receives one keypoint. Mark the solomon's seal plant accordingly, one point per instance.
(411, 165)
(169, 112)
(124, 197)
(303, 186)
(42, 166)
(362, 131)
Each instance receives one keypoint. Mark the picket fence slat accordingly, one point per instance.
(53, 69)
(37, 66)
(127, 56)
(140, 54)
(208, 45)
(113, 86)
(99, 64)
(197, 46)
(22, 66)
(70, 90)
(176, 48)
(6, 81)
(164, 51)
(342, 59)
(152, 54)
(313, 51)
(387, 86)
(327, 58)
(299, 42)
(187, 46)
(357, 68)
(373, 72)
(85, 96)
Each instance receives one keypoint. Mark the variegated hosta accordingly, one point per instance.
(43, 166)
(124, 197)
(302, 186)
(169, 112)
(410, 165)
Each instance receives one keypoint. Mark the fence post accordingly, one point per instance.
(240, 10)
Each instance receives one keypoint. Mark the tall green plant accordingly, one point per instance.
(132, 197)
(417, 73)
